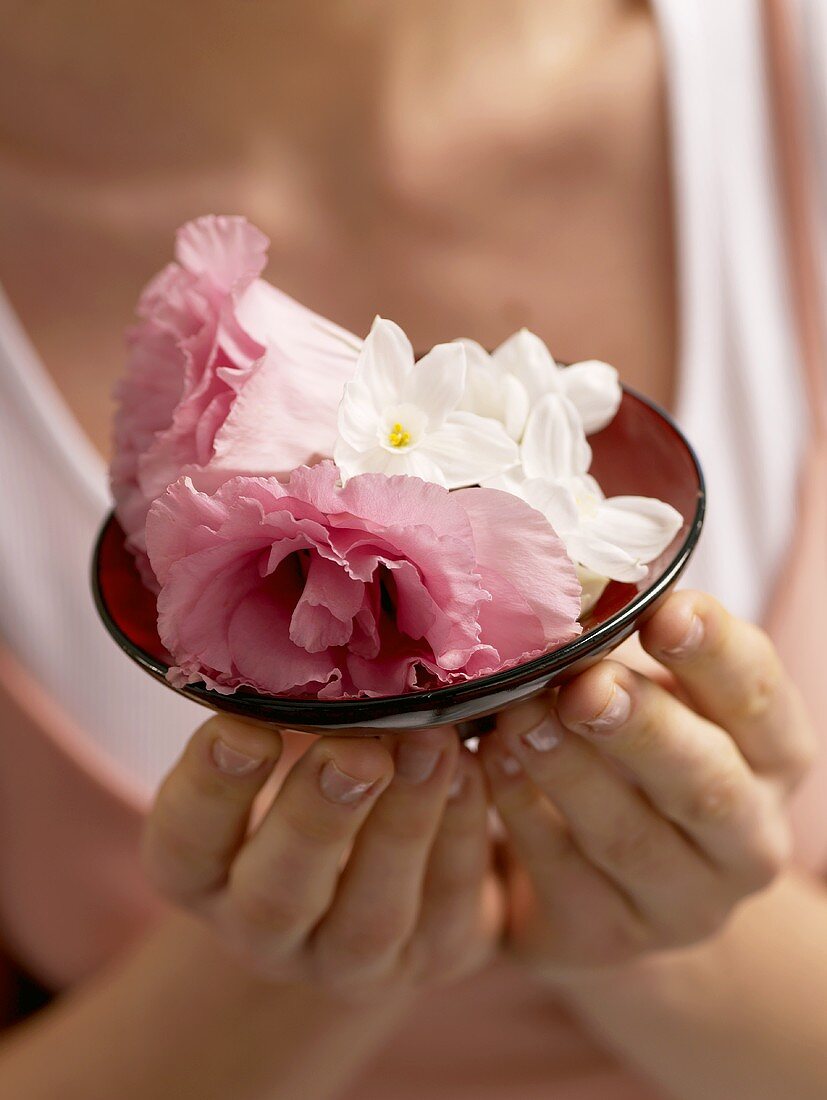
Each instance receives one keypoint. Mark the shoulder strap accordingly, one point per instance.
(796, 173)
(800, 596)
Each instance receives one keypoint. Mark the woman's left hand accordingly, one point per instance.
(638, 819)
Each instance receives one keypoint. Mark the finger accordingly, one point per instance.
(584, 917)
(455, 929)
(615, 827)
(377, 904)
(285, 875)
(733, 675)
(689, 768)
(201, 812)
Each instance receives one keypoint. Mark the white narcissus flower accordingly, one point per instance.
(492, 391)
(592, 587)
(508, 383)
(398, 416)
(615, 537)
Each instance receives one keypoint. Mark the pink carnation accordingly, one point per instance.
(225, 374)
(377, 588)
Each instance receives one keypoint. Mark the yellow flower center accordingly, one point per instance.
(398, 437)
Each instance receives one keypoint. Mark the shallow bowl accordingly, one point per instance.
(641, 453)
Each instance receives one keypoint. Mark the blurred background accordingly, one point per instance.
(640, 183)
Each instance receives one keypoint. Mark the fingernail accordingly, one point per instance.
(691, 640)
(417, 755)
(338, 786)
(458, 782)
(232, 761)
(545, 736)
(509, 765)
(614, 714)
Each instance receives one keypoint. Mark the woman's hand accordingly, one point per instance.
(367, 871)
(638, 820)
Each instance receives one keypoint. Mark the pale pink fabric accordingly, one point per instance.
(70, 883)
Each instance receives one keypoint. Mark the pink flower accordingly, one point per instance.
(383, 586)
(225, 374)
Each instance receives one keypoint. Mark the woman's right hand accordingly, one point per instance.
(367, 871)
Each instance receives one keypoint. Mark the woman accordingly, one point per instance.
(461, 168)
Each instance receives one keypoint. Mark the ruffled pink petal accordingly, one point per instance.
(399, 501)
(223, 250)
(180, 523)
(197, 603)
(172, 304)
(285, 412)
(280, 418)
(448, 576)
(189, 438)
(516, 542)
(175, 394)
(365, 640)
(204, 322)
(263, 655)
(394, 670)
(510, 624)
(301, 588)
(416, 521)
(323, 616)
(146, 398)
(415, 607)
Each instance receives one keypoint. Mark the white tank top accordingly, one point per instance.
(741, 401)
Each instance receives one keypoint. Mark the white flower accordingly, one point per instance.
(492, 391)
(615, 537)
(507, 383)
(593, 586)
(398, 416)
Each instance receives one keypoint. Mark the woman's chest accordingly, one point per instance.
(463, 208)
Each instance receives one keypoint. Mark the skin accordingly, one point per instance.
(421, 227)
(285, 991)
(665, 848)
(403, 826)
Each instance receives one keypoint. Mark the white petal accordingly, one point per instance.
(624, 534)
(481, 391)
(604, 557)
(515, 405)
(556, 502)
(380, 461)
(594, 390)
(352, 461)
(642, 525)
(526, 357)
(469, 448)
(436, 382)
(358, 418)
(588, 486)
(488, 392)
(385, 362)
(554, 444)
(593, 586)
(407, 418)
(509, 481)
(416, 463)
(475, 354)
